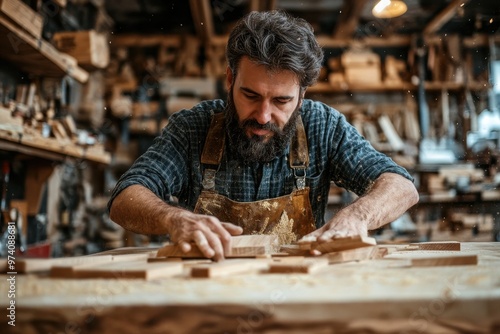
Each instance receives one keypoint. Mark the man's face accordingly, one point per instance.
(262, 110)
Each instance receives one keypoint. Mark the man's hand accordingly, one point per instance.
(340, 226)
(387, 199)
(212, 237)
(139, 210)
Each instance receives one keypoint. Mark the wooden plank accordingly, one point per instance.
(438, 245)
(132, 269)
(35, 56)
(307, 266)
(66, 269)
(338, 244)
(444, 16)
(349, 19)
(434, 261)
(356, 254)
(31, 265)
(23, 15)
(294, 249)
(227, 268)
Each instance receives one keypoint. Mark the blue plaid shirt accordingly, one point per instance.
(337, 152)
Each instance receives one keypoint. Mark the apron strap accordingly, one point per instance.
(299, 155)
(214, 143)
(214, 148)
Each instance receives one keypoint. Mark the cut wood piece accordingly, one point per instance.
(438, 245)
(294, 250)
(307, 266)
(228, 267)
(128, 251)
(356, 254)
(434, 261)
(67, 269)
(288, 259)
(133, 269)
(32, 265)
(241, 246)
(339, 244)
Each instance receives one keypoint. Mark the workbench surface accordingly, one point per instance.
(375, 296)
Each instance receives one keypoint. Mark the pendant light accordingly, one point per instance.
(386, 9)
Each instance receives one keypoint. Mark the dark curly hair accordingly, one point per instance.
(278, 41)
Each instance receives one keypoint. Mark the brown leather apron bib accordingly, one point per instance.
(289, 217)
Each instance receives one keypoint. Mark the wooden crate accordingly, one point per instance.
(88, 47)
(21, 14)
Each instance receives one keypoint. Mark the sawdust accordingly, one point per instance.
(284, 230)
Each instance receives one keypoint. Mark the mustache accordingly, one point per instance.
(251, 123)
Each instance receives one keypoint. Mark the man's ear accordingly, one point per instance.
(229, 78)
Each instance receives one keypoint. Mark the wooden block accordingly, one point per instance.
(338, 244)
(434, 261)
(228, 267)
(90, 48)
(241, 246)
(288, 259)
(307, 266)
(294, 250)
(356, 254)
(22, 15)
(66, 269)
(133, 269)
(438, 245)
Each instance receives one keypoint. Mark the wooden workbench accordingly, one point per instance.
(376, 296)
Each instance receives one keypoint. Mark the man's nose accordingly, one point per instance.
(263, 112)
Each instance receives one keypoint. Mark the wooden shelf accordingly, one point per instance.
(36, 56)
(51, 148)
(326, 88)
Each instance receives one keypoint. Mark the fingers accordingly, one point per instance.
(203, 244)
(331, 234)
(185, 246)
(233, 229)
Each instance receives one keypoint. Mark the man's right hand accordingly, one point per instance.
(212, 236)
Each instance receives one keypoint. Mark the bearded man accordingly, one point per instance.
(262, 161)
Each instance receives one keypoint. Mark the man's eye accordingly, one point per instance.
(251, 97)
(282, 101)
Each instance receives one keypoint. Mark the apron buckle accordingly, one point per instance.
(300, 177)
(209, 179)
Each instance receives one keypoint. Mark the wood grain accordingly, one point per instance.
(356, 254)
(307, 266)
(339, 244)
(438, 245)
(435, 261)
(228, 267)
(135, 269)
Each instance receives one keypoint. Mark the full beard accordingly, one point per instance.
(256, 148)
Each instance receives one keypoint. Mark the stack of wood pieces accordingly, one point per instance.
(431, 254)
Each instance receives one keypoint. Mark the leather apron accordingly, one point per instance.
(289, 217)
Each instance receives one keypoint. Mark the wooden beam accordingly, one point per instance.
(203, 19)
(262, 5)
(141, 40)
(444, 16)
(349, 19)
(392, 41)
